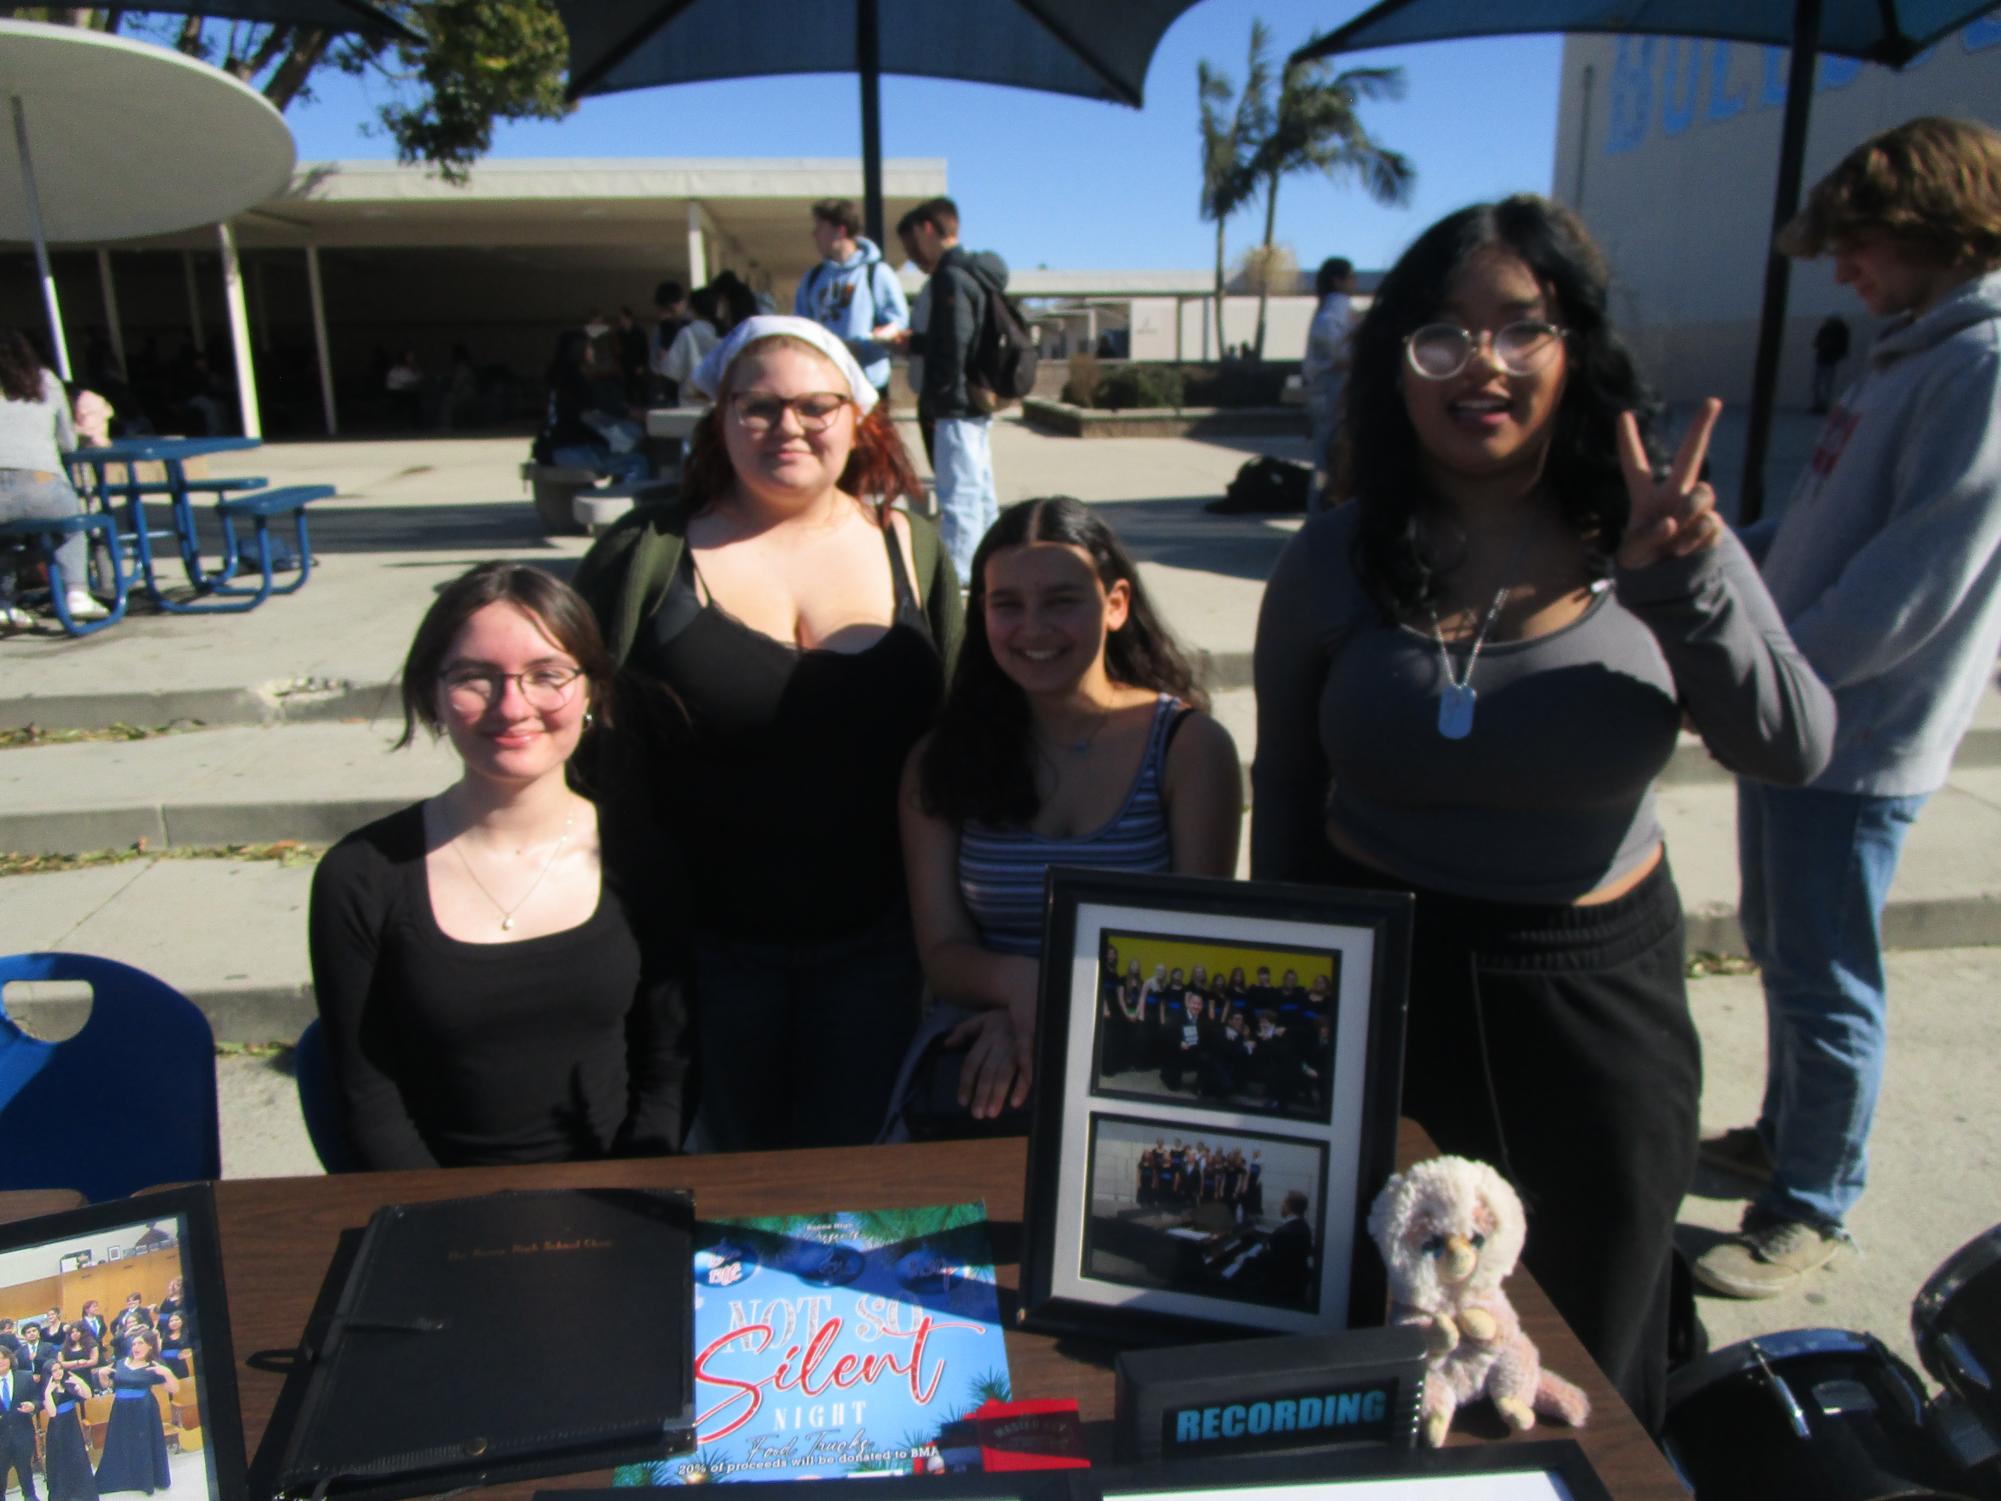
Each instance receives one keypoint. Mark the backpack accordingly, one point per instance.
(1000, 370)
(1265, 486)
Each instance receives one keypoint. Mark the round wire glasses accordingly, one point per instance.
(1439, 351)
(545, 688)
(758, 412)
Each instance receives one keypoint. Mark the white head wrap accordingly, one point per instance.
(707, 380)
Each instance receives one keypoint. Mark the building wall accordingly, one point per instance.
(1669, 147)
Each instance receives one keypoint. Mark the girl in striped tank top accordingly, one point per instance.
(1072, 734)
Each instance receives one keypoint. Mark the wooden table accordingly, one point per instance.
(279, 1234)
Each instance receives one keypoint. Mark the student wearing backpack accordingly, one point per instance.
(962, 283)
(852, 293)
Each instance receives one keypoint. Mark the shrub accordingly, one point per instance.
(1136, 385)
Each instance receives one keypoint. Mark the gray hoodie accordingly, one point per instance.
(1887, 562)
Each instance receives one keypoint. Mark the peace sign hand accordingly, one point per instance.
(1674, 517)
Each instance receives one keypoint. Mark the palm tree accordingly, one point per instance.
(1316, 128)
(1229, 131)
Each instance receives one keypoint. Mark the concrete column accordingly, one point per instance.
(698, 258)
(239, 333)
(194, 300)
(111, 312)
(320, 342)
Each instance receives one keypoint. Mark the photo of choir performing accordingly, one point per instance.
(99, 1367)
(1222, 1214)
(1242, 1029)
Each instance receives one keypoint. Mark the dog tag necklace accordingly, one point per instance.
(1457, 699)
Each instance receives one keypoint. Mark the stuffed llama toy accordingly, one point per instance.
(1450, 1230)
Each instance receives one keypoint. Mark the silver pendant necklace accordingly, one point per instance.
(1457, 700)
(507, 913)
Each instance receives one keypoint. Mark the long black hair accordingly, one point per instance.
(980, 763)
(1382, 471)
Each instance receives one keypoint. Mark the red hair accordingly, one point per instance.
(879, 466)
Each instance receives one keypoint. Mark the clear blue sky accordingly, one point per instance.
(1070, 183)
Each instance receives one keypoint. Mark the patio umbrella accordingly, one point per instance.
(1891, 32)
(1090, 48)
(322, 15)
(127, 139)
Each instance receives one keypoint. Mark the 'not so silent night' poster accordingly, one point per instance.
(836, 1344)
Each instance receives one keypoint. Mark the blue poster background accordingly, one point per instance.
(836, 1344)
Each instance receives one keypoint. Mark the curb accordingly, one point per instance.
(306, 702)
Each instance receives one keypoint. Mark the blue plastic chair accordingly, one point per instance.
(72, 1122)
(318, 1102)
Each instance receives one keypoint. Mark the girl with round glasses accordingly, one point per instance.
(783, 630)
(493, 985)
(1468, 678)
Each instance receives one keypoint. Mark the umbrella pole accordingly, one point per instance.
(868, 54)
(34, 201)
(1778, 269)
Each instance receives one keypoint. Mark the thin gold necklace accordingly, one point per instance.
(507, 913)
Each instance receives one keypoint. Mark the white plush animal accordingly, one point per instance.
(1450, 1230)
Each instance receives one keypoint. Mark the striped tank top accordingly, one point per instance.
(1001, 870)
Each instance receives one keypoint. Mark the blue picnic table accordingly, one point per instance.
(238, 499)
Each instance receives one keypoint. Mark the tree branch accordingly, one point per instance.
(307, 49)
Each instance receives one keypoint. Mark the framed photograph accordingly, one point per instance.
(133, 1292)
(1219, 1065)
(1545, 1470)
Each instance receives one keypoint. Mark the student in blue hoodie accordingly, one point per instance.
(852, 293)
(1886, 565)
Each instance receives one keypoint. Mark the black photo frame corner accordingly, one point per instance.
(199, 1245)
(1072, 1110)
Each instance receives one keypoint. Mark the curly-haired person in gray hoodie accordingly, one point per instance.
(1886, 564)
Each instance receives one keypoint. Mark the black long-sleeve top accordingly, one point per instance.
(447, 1053)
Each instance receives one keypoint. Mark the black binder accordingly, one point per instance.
(467, 1346)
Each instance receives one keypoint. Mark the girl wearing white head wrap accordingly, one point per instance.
(803, 625)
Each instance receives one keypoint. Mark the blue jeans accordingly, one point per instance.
(32, 495)
(1323, 411)
(1816, 869)
(962, 461)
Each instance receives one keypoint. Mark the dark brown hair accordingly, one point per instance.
(942, 214)
(980, 762)
(1932, 184)
(21, 366)
(841, 213)
(878, 468)
(545, 599)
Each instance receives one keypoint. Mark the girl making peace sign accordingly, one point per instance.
(1468, 679)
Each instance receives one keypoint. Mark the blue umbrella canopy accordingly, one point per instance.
(1098, 49)
(326, 15)
(1093, 49)
(1891, 32)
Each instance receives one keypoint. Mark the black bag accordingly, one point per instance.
(1001, 369)
(1265, 486)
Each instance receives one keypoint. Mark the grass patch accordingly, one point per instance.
(1706, 966)
(33, 734)
(284, 851)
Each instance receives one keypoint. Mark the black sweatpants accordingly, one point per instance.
(1556, 1044)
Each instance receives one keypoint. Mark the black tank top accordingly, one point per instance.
(785, 796)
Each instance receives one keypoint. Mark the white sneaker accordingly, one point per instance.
(83, 605)
(18, 620)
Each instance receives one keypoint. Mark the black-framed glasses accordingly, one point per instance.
(1439, 351)
(543, 687)
(760, 411)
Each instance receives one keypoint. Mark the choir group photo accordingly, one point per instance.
(1220, 1213)
(99, 1353)
(1243, 1029)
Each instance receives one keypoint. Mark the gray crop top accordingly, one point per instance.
(1551, 796)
